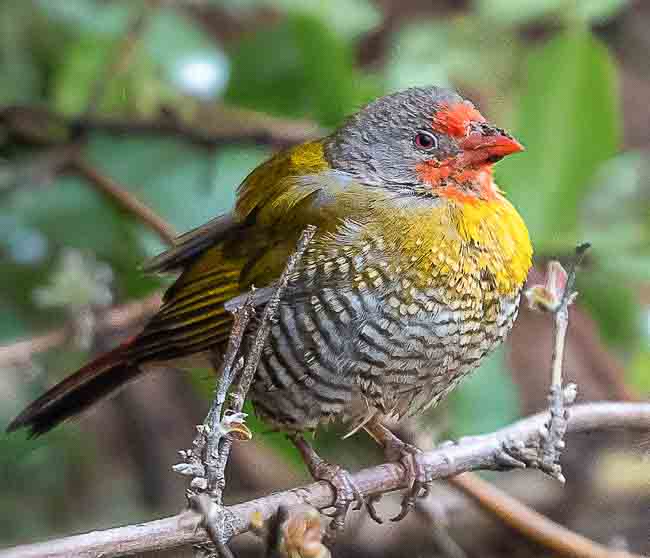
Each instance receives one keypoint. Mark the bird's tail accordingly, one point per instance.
(95, 381)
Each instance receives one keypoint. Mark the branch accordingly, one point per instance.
(216, 456)
(558, 396)
(533, 525)
(207, 460)
(504, 449)
(45, 128)
(123, 198)
(212, 126)
(436, 524)
(118, 318)
(555, 296)
(252, 359)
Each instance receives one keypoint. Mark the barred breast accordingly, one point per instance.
(394, 339)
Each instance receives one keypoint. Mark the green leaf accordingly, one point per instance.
(90, 16)
(569, 121)
(486, 400)
(12, 326)
(597, 11)
(309, 72)
(173, 58)
(186, 186)
(613, 304)
(68, 201)
(614, 218)
(505, 13)
(81, 67)
(70, 213)
(20, 76)
(617, 188)
(638, 373)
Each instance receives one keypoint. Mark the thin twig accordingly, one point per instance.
(484, 452)
(549, 298)
(119, 318)
(253, 357)
(211, 522)
(221, 126)
(562, 316)
(527, 521)
(558, 396)
(270, 311)
(201, 461)
(123, 198)
(442, 540)
(212, 458)
(213, 442)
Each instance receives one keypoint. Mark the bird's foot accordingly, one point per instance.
(419, 484)
(410, 457)
(347, 494)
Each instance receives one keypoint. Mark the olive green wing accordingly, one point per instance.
(224, 258)
(191, 244)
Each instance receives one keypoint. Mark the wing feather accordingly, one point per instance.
(189, 245)
(223, 259)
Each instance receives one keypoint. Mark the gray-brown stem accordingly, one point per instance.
(484, 452)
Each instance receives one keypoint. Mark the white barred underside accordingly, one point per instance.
(379, 347)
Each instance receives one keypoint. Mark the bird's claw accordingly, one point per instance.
(419, 485)
(372, 511)
(347, 495)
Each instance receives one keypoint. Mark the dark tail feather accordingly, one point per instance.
(78, 392)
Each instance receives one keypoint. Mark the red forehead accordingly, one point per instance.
(455, 118)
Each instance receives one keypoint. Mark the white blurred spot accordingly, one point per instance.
(202, 75)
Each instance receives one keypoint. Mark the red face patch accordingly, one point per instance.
(452, 183)
(432, 173)
(455, 119)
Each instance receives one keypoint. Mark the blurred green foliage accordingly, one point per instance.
(560, 94)
(568, 118)
(535, 10)
(286, 74)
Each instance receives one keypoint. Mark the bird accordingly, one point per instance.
(413, 277)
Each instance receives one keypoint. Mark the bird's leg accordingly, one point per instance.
(346, 491)
(410, 457)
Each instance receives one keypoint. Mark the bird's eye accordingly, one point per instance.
(425, 141)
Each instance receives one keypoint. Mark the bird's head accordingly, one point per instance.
(425, 141)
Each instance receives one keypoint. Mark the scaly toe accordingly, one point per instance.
(416, 474)
(346, 494)
(418, 490)
(372, 511)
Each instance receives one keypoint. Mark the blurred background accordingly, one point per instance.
(174, 102)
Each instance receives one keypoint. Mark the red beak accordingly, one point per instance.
(488, 146)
